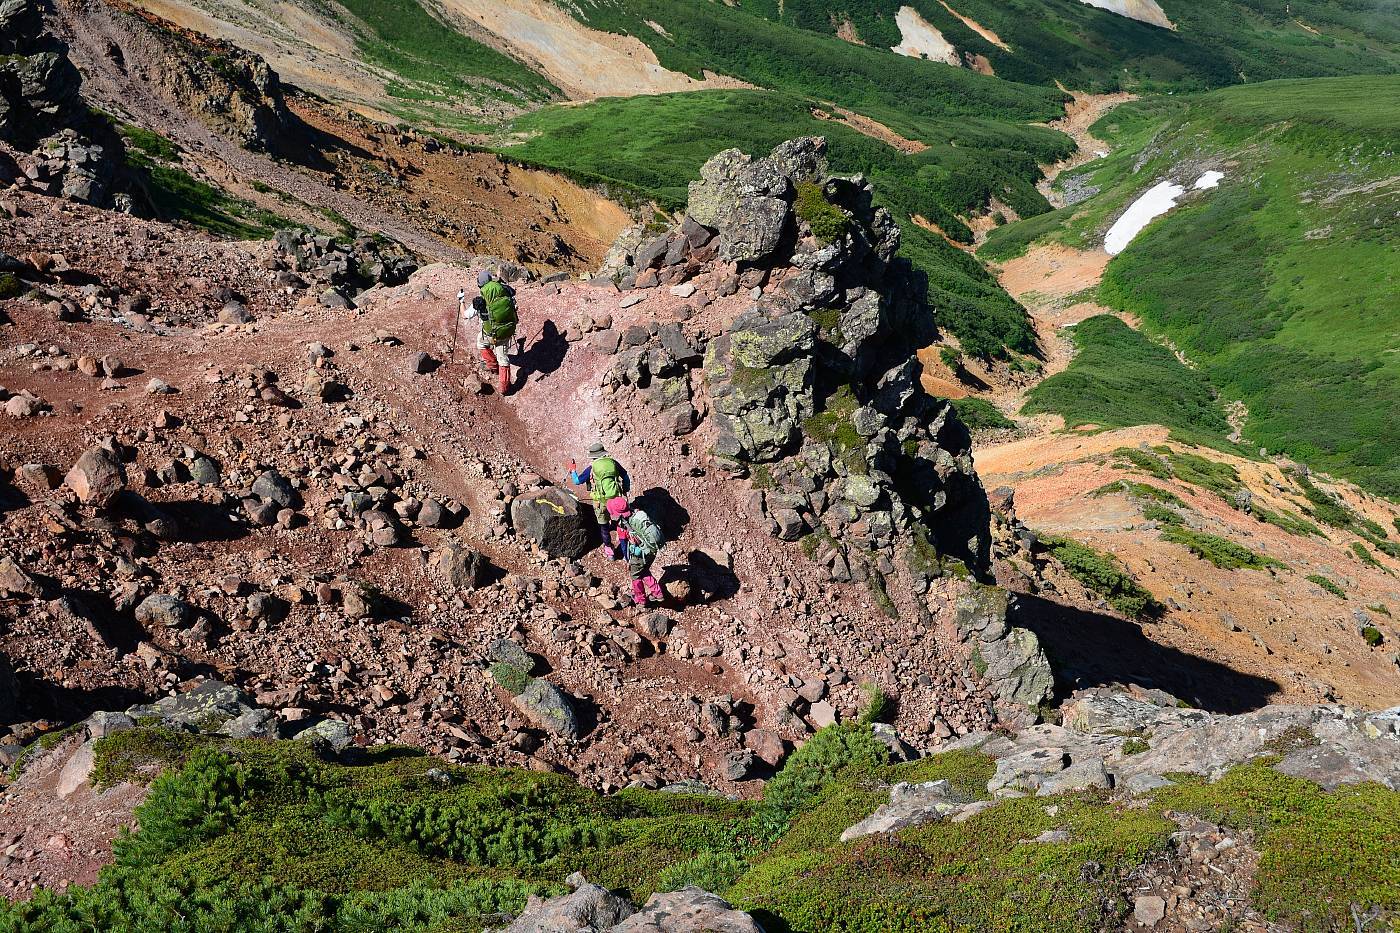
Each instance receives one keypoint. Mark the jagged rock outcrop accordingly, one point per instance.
(42, 112)
(1331, 745)
(338, 271)
(230, 90)
(1134, 742)
(593, 909)
(814, 392)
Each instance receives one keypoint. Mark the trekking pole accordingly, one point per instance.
(457, 322)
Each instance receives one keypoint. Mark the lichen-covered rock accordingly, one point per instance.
(205, 708)
(1011, 659)
(165, 611)
(910, 805)
(760, 377)
(689, 910)
(590, 908)
(749, 201)
(587, 909)
(549, 708)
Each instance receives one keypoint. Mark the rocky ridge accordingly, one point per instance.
(813, 392)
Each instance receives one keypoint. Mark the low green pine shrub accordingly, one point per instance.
(818, 761)
(1222, 552)
(1102, 574)
(828, 222)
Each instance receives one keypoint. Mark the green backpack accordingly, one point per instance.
(643, 533)
(500, 319)
(607, 479)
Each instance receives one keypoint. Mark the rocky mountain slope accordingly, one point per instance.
(288, 589)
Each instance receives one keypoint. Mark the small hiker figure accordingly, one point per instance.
(605, 479)
(495, 307)
(642, 539)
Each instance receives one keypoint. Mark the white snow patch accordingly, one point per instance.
(921, 39)
(1144, 11)
(1158, 199)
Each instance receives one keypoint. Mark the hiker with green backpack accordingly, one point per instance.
(642, 539)
(495, 307)
(605, 479)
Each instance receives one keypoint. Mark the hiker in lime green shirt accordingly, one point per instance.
(495, 306)
(605, 479)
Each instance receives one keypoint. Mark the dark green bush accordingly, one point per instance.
(981, 415)
(1221, 552)
(1329, 585)
(1102, 574)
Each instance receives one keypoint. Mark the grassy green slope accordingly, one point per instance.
(1120, 377)
(1284, 286)
(1217, 42)
(436, 70)
(899, 91)
(657, 145)
(253, 835)
(1281, 284)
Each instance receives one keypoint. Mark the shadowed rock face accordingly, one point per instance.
(818, 382)
(38, 84)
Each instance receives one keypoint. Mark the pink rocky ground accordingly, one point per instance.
(764, 649)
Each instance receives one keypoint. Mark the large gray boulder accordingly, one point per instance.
(1009, 658)
(587, 909)
(554, 519)
(549, 708)
(760, 378)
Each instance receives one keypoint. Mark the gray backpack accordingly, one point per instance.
(644, 534)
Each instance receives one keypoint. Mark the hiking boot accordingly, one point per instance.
(503, 380)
